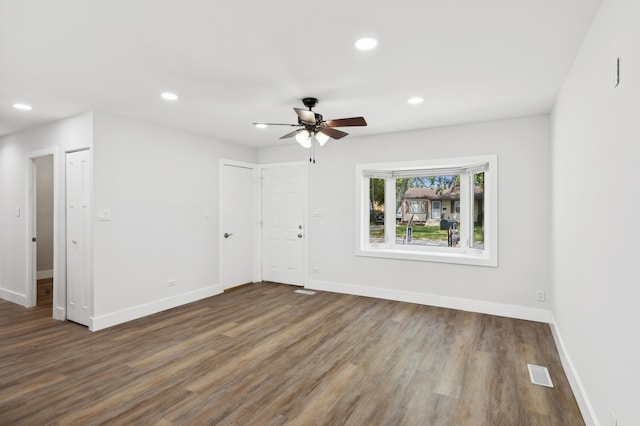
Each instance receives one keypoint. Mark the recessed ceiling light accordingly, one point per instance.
(415, 101)
(261, 125)
(168, 96)
(366, 43)
(23, 107)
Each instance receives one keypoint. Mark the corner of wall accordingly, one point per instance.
(578, 389)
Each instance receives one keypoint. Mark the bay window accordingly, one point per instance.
(449, 210)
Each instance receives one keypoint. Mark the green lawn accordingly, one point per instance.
(428, 233)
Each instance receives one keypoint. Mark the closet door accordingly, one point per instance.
(77, 202)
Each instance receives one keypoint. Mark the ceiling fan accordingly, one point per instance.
(312, 126)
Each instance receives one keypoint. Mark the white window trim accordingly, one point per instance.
(462, 255)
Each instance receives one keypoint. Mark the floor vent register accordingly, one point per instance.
(539, 375)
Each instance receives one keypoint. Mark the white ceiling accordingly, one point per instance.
(237, 62)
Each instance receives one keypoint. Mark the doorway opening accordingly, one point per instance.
(41, 223)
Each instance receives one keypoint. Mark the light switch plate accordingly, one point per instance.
(104, 214)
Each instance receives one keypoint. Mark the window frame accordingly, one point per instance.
(458, 255)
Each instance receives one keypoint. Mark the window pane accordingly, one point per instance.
(424, 202)
(478, 211)
(416, 207)
(376, 210)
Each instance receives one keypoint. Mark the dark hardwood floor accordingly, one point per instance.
(45, 292)
(263, 354)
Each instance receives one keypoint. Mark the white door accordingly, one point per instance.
(237, 225)
(283, 227)
(77, 200)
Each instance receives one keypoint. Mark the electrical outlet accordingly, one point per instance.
(540, 295)
(171, 283)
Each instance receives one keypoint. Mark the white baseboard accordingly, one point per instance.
(59, 313)
(588, 413)
(13, 297)
(470, 305)
(135, 312)
(41, 275)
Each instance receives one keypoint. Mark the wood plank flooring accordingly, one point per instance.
(265, 355)
(45, 292)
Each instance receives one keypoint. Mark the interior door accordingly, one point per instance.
(77, 200)
(283, 227)
(237, 225)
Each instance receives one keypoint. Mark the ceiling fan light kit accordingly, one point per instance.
(321, 138)
(313, 128)
(304, 139)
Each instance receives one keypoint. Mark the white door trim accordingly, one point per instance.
(255, 196)
(305, 215)
(31, 284)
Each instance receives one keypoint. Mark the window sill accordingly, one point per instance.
(444, 255)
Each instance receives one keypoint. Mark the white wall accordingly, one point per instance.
(523, 149)
(44, 197)
(69, 134)
(159, 185)
(596, 149)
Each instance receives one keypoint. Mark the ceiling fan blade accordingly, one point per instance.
(292, 134)
(333, 133)
(306, 115)
(344, 122)
(277, 124)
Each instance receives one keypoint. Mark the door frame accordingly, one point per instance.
(256, 218)
(31, 219)
(305, 210)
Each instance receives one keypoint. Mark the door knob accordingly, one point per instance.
(226, 235)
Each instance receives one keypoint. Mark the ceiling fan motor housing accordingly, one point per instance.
(310, 102)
